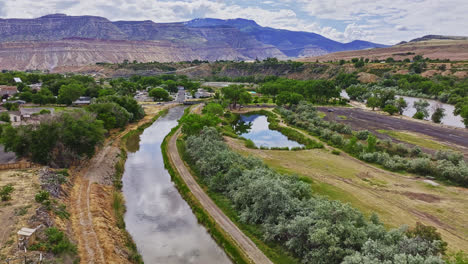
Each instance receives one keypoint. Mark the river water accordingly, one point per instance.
(160, 222)
(255, 128)
(449, 118)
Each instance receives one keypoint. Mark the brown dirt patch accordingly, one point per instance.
(429, 198)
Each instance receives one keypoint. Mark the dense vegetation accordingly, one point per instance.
(444, 165)
(312, 228)
(58, 140)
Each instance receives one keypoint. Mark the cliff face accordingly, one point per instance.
(59, 40)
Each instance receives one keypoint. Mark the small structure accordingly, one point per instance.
(26, 237)
(17, 80)
(35, 86)
(83, 100)
(6, 90)
(201, 93)
(180, 94)
(27, 113)
(15, 116)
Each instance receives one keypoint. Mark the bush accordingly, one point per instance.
(390, 109)
(5, 192)
(337, 140)
(112, 114)
(336, 152)
(421, 166)
(418, 115)
(42, 196)
(5, 117)
(362, 135)
(250, 144)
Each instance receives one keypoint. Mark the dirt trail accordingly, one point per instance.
(90, 202)
(251, 250)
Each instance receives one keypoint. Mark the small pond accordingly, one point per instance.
(255, 128)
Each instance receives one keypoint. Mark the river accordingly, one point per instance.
(160, 222)
(449, 118)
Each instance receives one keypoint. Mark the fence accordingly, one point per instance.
(16, 165)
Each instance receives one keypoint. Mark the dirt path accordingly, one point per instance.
(251, 250)
(92, 217)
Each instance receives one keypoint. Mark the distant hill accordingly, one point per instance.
(291, 43)
(438, 37)
(60, 40)
(453, 48)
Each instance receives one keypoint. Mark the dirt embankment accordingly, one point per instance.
(93, 222)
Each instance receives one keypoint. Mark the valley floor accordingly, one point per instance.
(397, 199)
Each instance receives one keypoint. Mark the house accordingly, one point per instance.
(35, 86)
(180, 94)
(17, 80)
(83, 100)
(201, 93)
(6, 90)
(15, 116)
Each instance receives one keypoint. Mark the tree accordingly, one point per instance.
(70, 93)
(401, 105)
(438, 114)
(192, 124)
(421, 106)
(5, 117)
(213, 109)
(373, 102)
(371, 143)
(428, 233)
(112, 114)
(245, 98)
(232, 93)
(159, 94)
(418, 115)
(127, 102)
(44, 96)
(391, 109)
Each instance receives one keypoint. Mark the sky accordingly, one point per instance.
(381, 21)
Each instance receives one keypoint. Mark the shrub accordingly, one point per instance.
(336, 152)
(449, 155)
(337, 140)
(390, 109)
(42, 196)
(418, 115)
(362, 135)
(250, 144)
(5, 192)
(421, 166)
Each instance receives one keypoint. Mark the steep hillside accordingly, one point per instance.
(60, 40)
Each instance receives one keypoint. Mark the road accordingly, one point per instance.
(360, 119)
(250, 249)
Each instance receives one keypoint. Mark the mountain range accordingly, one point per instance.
(60, 40)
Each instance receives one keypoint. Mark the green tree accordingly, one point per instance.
(159, 94)
(192, 124)
(438, 114)
(112, 114)
(214, 109)
(371, 143)
(391, 109)
(245, 98)
(373, 102)
(232, 93)
(401, 105)
(5, 117)
(421, 106)
(70, 93)
(418, 115)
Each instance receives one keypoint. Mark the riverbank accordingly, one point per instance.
(95, 201)
(224, 240)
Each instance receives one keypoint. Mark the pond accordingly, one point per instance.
(159, 220)
(449, 118)
(255, 128)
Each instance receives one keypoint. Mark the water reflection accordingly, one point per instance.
(255, 128)
(159, 220)
(449, 118)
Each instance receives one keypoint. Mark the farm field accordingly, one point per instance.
(397, 199)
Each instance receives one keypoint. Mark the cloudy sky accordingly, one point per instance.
(383, 21)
